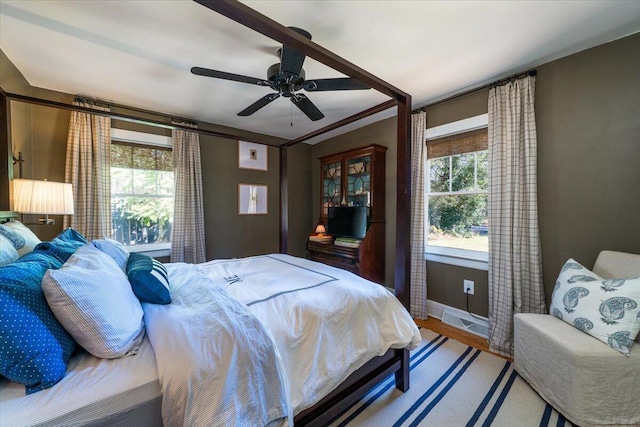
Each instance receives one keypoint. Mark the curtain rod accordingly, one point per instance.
(500, 82)
(133, 119)
(109, 104)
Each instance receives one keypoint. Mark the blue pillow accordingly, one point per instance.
(148, 278)
(114, 249)
(34, 347)
(72, 236)
(64, 244)
(42, 257)
(59, 248)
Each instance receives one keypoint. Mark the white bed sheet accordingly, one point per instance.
(94, 392)
(338, 337)
(217, 364)
(326, 322)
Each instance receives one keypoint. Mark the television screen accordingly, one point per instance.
(347, 221)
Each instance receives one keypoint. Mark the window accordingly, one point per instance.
(142, 193)
(456, 185)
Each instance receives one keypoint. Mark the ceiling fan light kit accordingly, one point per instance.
(287, 78)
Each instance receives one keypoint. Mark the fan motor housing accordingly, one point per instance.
(286, 84)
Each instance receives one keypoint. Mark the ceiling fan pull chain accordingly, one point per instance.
(291, 112)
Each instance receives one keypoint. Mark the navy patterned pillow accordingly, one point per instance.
(40, 347)
(148, 278)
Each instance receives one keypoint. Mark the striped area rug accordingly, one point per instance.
(453, 384)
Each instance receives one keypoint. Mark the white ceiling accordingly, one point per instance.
(139, 53)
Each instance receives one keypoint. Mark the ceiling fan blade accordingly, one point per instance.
(259, 104)
(228, 76)
(307, 107)
(291, 59)
(341, 83)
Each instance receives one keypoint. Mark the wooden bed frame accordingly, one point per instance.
(395, 361)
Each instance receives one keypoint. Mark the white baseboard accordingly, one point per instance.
(461, 319)
(435, 309)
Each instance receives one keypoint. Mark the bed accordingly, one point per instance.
(276, 330)
(393, 361)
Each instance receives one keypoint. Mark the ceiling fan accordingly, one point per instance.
(287, 78)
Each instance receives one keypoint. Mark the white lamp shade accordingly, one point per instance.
(42, 197)
(320, 229)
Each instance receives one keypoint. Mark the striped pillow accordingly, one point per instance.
(148, 278)
(92, 299)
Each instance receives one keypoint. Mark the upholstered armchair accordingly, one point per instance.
(585, 379)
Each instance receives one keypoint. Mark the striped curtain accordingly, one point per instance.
(418, 264)
(88, 170)
(187, 232)
(515, 266)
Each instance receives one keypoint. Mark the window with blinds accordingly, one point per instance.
(457, 190)
(142, 193)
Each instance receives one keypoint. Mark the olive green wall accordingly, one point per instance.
(231, 235)
(301, 213)
(588, 122)
(13, 81)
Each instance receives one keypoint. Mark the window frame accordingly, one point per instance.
(453, 256)
(151, 140)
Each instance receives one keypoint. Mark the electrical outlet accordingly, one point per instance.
(468, 287)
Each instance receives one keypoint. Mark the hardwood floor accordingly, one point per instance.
(467, 338)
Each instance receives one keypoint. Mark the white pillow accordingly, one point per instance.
(22, 238)
(114, 249)
(92, 298)
(608, 310)
(8, 253)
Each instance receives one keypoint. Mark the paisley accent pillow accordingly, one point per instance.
(22, 238)
(8, 252)
(607, 309)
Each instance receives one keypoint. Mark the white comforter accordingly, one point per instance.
(217, 364)
(326, 322)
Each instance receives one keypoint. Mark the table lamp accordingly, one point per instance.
(42, 197)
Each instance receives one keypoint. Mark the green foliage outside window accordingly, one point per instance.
(142, 189)
(458, 214)
(459, 209)
(141, 220)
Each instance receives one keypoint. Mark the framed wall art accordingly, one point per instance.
(252, 156)
(252, 199)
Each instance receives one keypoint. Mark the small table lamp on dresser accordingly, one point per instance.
(320, 234)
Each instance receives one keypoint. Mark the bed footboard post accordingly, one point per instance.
(402, 374)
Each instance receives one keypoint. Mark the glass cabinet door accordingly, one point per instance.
(331, 187)
(359, 181)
